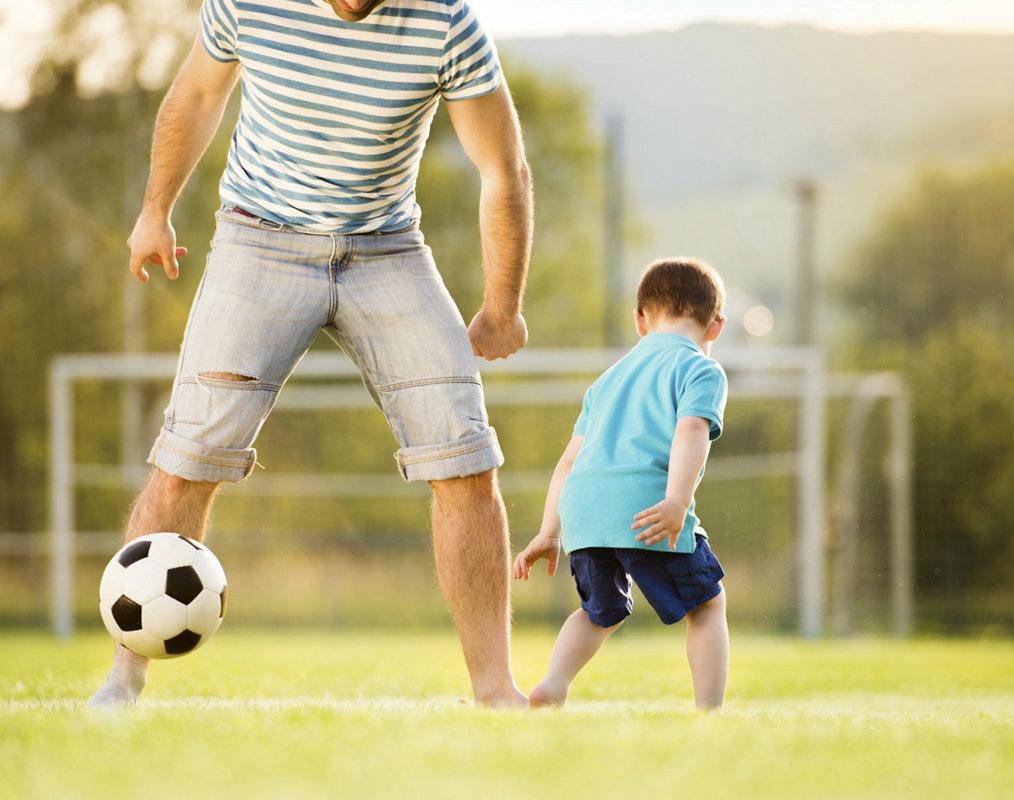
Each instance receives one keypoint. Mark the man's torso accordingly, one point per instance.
(335, 115)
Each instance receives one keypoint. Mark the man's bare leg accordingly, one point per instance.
(579, 639)
(166, 503)
(471, 547)
(708, 652)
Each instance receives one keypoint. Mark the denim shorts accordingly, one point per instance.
(266, 292)
(674, 584)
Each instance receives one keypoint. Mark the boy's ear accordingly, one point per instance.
(640, 322)
(715, 329)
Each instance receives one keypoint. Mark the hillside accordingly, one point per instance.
(719, 119)
(719, 106)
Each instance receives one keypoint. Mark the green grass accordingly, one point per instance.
(357, 715)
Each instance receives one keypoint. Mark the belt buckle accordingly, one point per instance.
(261, 222)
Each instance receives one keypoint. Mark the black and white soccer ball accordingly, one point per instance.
(162, 595)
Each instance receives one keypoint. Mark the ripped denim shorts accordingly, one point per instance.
(266, 292)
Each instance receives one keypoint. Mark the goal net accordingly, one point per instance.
(327, 533)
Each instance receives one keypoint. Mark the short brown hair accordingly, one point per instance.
(682, 287)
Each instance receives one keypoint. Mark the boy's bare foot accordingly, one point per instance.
(547, 694)
(122, 687)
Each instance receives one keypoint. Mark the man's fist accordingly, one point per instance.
(496, 336)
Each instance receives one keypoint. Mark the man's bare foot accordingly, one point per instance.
(508, 698)
(547, 694)
(123, 685)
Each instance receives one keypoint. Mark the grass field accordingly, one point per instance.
(358, 715)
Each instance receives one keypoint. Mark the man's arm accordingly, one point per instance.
(689, 452)
(489, 131)
(547, 543)
(187, 120)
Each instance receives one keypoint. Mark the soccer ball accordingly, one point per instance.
(162, 595)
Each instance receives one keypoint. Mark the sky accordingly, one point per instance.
(548, 18)
(23, 24)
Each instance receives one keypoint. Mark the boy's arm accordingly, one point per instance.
(689, 452)
(547, 543)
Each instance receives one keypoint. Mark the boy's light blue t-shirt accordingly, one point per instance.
(628, 421)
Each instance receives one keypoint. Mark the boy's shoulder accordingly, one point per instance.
(695, 364)
(702, 390)
(695, 367)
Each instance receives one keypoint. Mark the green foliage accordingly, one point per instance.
(969, 421)
(931, 296)
(944, 253)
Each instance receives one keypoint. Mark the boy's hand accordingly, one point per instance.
(665, 520)
(541, 546)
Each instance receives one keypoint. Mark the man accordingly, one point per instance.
(319, 230)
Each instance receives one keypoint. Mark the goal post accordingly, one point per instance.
(533, 377)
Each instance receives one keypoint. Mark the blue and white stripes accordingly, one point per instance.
(335, 115)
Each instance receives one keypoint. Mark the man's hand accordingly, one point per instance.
(664, 519)
(153, 239)
(495, 336)
(542, 546)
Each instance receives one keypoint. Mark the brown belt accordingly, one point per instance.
(406, 229)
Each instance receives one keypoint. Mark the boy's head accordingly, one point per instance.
(681, 291)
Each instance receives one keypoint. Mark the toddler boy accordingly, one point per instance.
(623, 490)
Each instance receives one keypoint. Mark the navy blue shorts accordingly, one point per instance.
(673, 583)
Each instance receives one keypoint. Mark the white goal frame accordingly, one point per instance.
(542, 377)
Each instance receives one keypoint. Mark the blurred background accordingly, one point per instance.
(847, 167)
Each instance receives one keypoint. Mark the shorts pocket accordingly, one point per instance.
(681, 566)
(709, 564)
(695, 576)
(690, 584)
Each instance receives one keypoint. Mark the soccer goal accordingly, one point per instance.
(792, 379)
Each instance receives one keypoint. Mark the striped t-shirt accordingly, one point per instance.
(334, 115)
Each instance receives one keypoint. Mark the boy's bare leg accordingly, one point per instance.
(579, 639)
(166, 503)
(708, 652)
(470, 545)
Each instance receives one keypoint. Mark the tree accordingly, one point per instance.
(930, 295)
(952, 240)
